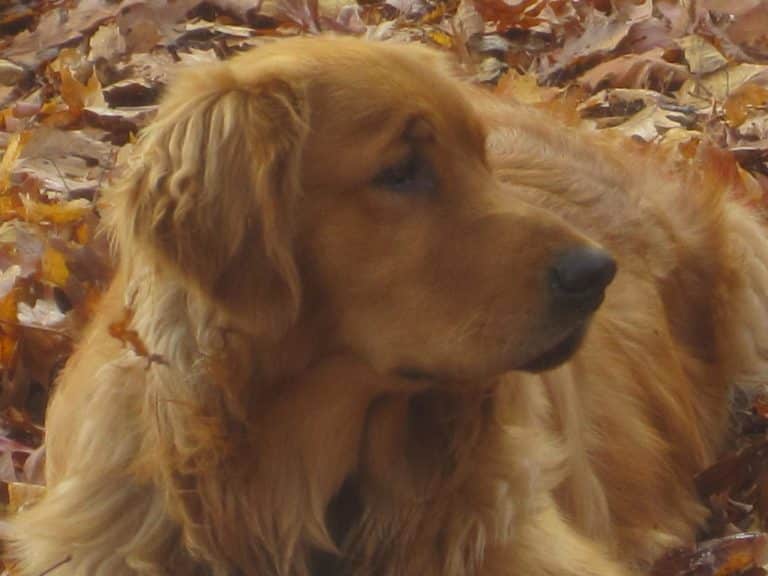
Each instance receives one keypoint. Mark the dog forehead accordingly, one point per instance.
(355, 85)
(355, 69)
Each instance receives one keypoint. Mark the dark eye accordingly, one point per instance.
(413, 176)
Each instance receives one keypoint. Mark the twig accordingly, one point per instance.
(55, 566)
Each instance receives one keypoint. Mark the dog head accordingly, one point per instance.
(349, 181)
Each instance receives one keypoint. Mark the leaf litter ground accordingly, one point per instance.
(687, 79)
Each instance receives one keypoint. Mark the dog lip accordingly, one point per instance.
(560, 352)
(410, 373)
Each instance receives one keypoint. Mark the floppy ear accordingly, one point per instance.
(212, 192)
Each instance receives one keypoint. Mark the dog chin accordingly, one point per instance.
(559, 353)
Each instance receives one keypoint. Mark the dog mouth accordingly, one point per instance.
(559, 353)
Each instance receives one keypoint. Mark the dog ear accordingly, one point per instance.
(212, 189)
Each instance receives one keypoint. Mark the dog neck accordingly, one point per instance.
(218, 398)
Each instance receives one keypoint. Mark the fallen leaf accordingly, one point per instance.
(648, 70)
(11, 154)
(524, 88)
(721, 84)
(440, 38)
(10, 73)
(7, 467)
(618, 103)
(701, 56)
(54, 267)
(601, 36)
(750, 30)
(34, 467)
(107, 43)
(468, 19)
(8, 278)
(719, 557)
(44, 313)
(68, 212)
(743, 101)
(77, 95)
(648, 124)
(119, 120)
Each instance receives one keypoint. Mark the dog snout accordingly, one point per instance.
(580, 276)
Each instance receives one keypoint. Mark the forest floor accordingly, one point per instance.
(78, 79)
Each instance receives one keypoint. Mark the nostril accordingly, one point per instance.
(583, 271)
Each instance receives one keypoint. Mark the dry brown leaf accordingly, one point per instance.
(50, 143)
(721, 84)
(743, 101)
(62, 177)
(719, 557)
(647, 124)
(20, 246)
(507, 14)
(58, 27)
(524, 88)
(10, 73)
(618, 103)
(749, 30)
(132, 92)
(731, 7)
(107, 43)
(77, 95)
(468, 20)
(119, 120)
(647, 70)
(601, 36)
(701, 56)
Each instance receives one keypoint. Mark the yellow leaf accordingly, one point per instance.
(60, 213)
(8, 207)
(93, 96)
(54, 267)
(8, 308)
(78, 95)
(8, 348)
(8, 330)
(71, 90)
(49, 107)
(440, 38)
(82, 233)
(525, 88)
(12, 151)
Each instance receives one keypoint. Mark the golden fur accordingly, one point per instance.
(319, 339)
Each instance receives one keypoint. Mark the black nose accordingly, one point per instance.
(582, 273)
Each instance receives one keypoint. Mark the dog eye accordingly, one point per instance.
(413, 176)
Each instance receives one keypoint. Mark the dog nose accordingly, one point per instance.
(582, 274)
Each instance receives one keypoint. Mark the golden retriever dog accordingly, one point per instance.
(387, 325)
